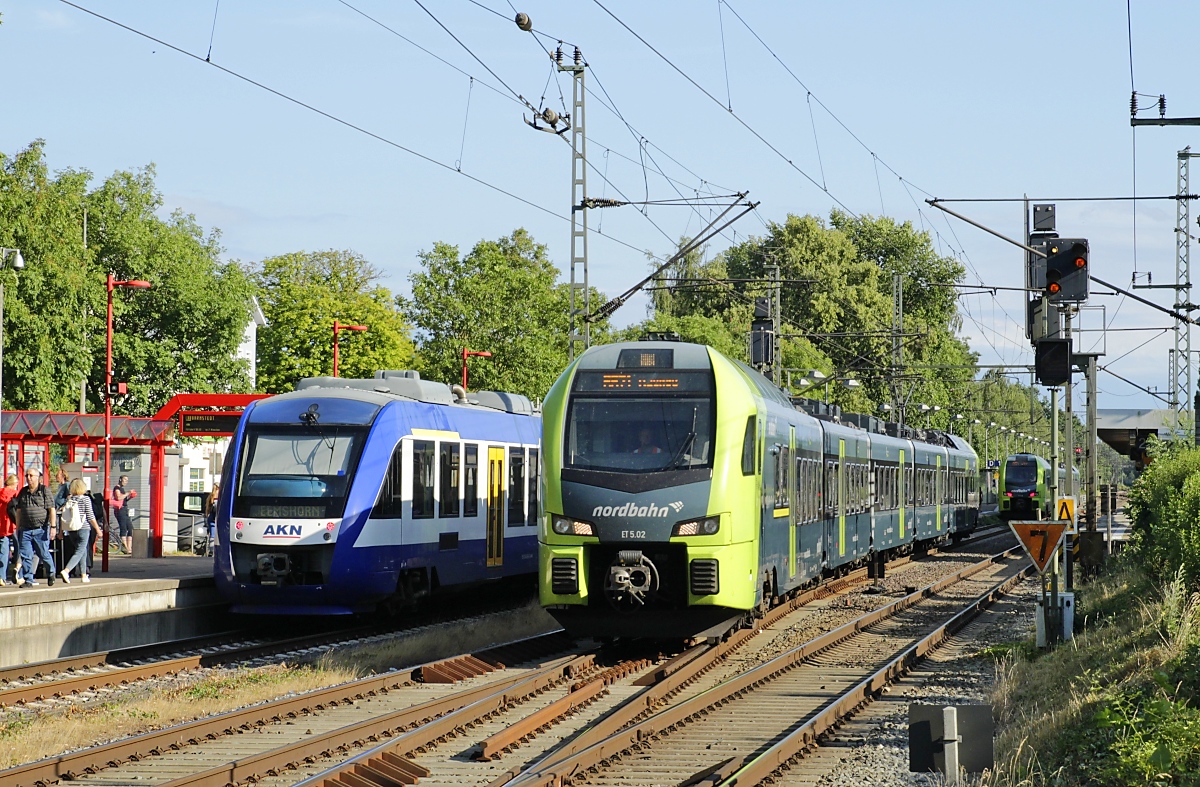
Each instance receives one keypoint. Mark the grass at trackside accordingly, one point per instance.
(1117, 705)
(26, 738)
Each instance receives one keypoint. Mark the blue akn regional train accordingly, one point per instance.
(346, 495)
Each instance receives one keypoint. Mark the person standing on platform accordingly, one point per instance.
(210, 517)
(62, 487)
(77, 526)
(33, 510)
(8, 528)
(63, 491)
(120, 504)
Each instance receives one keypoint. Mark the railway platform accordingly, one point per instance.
(139, 601)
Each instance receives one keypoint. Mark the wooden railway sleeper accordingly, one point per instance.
(443, 727)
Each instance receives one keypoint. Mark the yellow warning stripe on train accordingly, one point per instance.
(440, 434)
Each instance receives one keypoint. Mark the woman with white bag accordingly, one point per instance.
(76, 519)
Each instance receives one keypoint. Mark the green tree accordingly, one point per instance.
(179, 336)
(183, 333)
(504, 298)
(301, 295)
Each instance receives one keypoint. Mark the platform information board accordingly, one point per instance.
(1040, 539)
(208, 423)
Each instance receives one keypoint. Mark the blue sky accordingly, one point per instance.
(885, 104)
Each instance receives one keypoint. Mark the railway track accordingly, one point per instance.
(751, 725)
(55, 683)
(507, 711)
(65, 678)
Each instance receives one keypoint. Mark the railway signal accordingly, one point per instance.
(1052, 362)
(1067, 270)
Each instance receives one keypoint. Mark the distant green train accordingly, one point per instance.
(684, 491)
(1024, 487)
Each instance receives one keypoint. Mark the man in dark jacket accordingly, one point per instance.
(33, 511)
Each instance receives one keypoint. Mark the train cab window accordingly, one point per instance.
(295, 471)
(532, 519)
(748, 445)
(516, 486)
(448, 494)
(639, 422)
(422, 479)
(471, 480)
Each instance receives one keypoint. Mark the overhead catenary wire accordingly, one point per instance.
(732, 114)
(905, 183)
(213, 33)
(346, 123)
(609, 104)
(510, 94)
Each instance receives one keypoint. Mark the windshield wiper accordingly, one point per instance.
(687, 445)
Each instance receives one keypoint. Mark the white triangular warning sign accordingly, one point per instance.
(1040, 539)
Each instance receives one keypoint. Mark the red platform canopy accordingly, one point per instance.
(31, 431)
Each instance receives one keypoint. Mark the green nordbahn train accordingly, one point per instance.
(1024, 487)
(1023, 491)
(684, 492)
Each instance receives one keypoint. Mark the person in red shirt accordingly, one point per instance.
(646, 443)
(8, 528)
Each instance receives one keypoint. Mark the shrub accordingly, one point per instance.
(1165, 511)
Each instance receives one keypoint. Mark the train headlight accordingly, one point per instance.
(565, 526)
(707, 526)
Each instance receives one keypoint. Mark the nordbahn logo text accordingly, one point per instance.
(283, 531)
(633, 509)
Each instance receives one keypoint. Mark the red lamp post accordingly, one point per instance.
(112, 283)
(337, 327)
(467, 354)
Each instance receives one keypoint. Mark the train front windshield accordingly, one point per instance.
(1020, 474)
(296, 472)
(640, 422)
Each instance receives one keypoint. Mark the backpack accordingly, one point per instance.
(72, 517)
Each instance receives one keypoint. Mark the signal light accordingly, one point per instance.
(1066, 270)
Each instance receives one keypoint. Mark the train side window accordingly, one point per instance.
(516, 486)
(831, 489)
(861, 472)
(814, 494)
(781, 477)
(532, 519)
(390, 504)
(448, 494)
(748, 445)
(422, 479)
(471, 480)
(859, 497)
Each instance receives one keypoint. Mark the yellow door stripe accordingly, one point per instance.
(841, 497)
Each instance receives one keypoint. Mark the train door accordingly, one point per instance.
(901, 494)
(841, 499)
(495, 507)
(939, 492)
